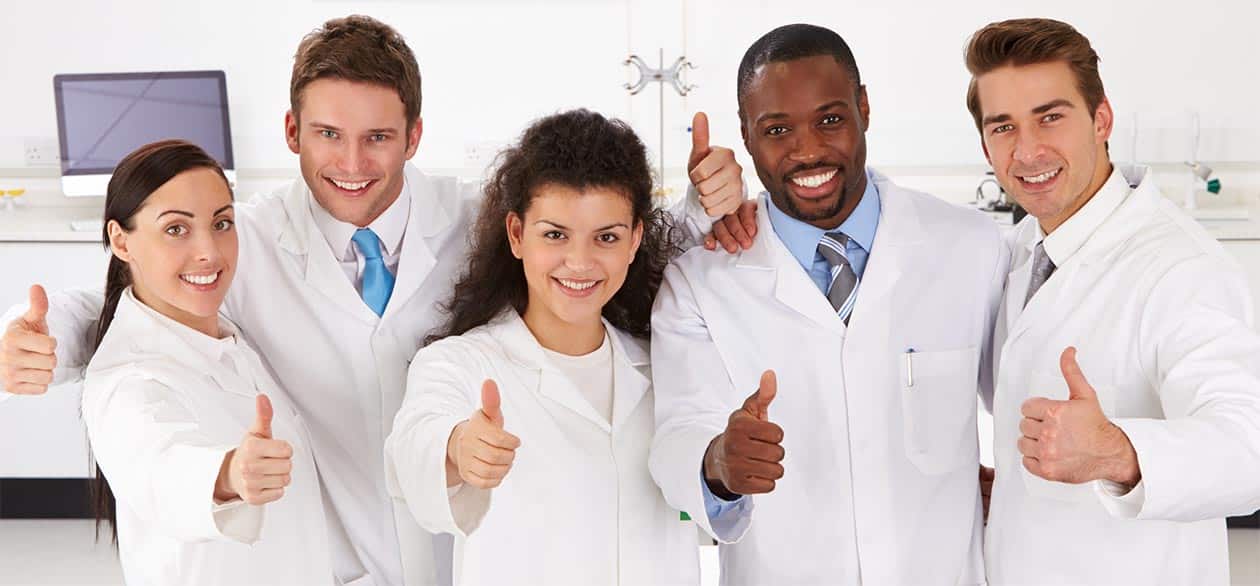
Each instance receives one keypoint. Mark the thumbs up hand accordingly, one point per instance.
(713, 171)
(480, 452)
(27, 354)
(258, 470)
(1072, 441)
(745, 459)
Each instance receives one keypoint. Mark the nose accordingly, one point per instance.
(1029, 146)
(352, 158)
(806, 147)
(208, 246)
(580, 258)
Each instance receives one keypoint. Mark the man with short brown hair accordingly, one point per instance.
(1127, 402)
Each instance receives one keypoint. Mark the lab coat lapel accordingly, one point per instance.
(770, 259)
(321, 270)
(898, 244)
(528, 353)
(630, 379)
(428, 216)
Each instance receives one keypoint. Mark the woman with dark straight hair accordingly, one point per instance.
(527, 421)
(178, 407)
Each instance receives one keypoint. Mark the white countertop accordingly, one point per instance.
(47, 224)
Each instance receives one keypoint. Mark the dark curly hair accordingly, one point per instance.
(579, 149)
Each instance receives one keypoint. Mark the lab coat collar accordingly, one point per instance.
(898, 231)
(630, 377)
(166, 349)
(389, 227)
(428, 215)
(1068, 238)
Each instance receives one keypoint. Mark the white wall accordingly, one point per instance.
(491, 66)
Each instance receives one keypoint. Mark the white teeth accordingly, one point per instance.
(1042, 178)
(814, 180)
(201, 279)
(578, 285)
(350, 186)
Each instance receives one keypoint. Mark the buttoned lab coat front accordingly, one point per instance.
(1162, 322)
(578, 505)
(880, 481)
(161, 414)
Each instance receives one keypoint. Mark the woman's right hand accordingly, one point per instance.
(258, 470)
(479, 451)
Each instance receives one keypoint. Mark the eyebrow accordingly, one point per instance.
(323, 126)
(608, 227)
(192, 215)
(823, 108)
(1042, 109)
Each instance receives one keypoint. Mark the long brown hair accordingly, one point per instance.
(135, 178)
(578, 149)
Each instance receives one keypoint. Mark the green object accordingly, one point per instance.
(1214, 185)
(683, 516)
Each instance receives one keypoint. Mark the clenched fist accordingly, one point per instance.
(260, 468)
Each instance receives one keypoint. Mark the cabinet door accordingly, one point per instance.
(44, 435)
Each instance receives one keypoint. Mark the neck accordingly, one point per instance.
(206, 325)
(552, 333)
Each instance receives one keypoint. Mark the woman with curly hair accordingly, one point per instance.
(528, 418)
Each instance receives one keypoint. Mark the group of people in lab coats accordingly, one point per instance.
(381, 377)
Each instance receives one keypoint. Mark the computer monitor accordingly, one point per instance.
(101, 117)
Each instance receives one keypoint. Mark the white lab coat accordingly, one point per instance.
(880, 483)
(161, 413)
(344, 367)
(1163, 326)
(579, 506)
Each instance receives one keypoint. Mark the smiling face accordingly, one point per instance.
(804, 123)
(181, 251)
(1046, 148)
(576, 248)
(352, 140)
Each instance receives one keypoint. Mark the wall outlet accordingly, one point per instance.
(41, 152)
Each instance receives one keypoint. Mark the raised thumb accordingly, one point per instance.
(262, 421)
(759, 403)
(490, 402)
(699, 139)
(36, 315)
(1078, 387)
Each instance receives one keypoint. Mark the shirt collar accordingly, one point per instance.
(1072, 234)
(203, 345)
(801, 238)
(389, 226)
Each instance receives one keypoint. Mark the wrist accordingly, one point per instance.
(223, 483)
(1122, 466)
(711, 471)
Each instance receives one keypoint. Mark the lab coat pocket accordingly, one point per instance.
(938, 399)
(1052, 386)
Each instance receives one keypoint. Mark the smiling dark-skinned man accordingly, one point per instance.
(873, 306)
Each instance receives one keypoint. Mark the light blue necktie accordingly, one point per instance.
(378, 282)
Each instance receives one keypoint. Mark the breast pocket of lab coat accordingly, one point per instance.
(1051, 385)
(938, 400)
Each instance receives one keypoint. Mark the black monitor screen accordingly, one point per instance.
(103, 117)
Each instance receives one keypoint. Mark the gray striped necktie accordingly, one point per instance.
(842, 292)
(1042, 268)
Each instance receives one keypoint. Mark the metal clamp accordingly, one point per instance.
(647, 74)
